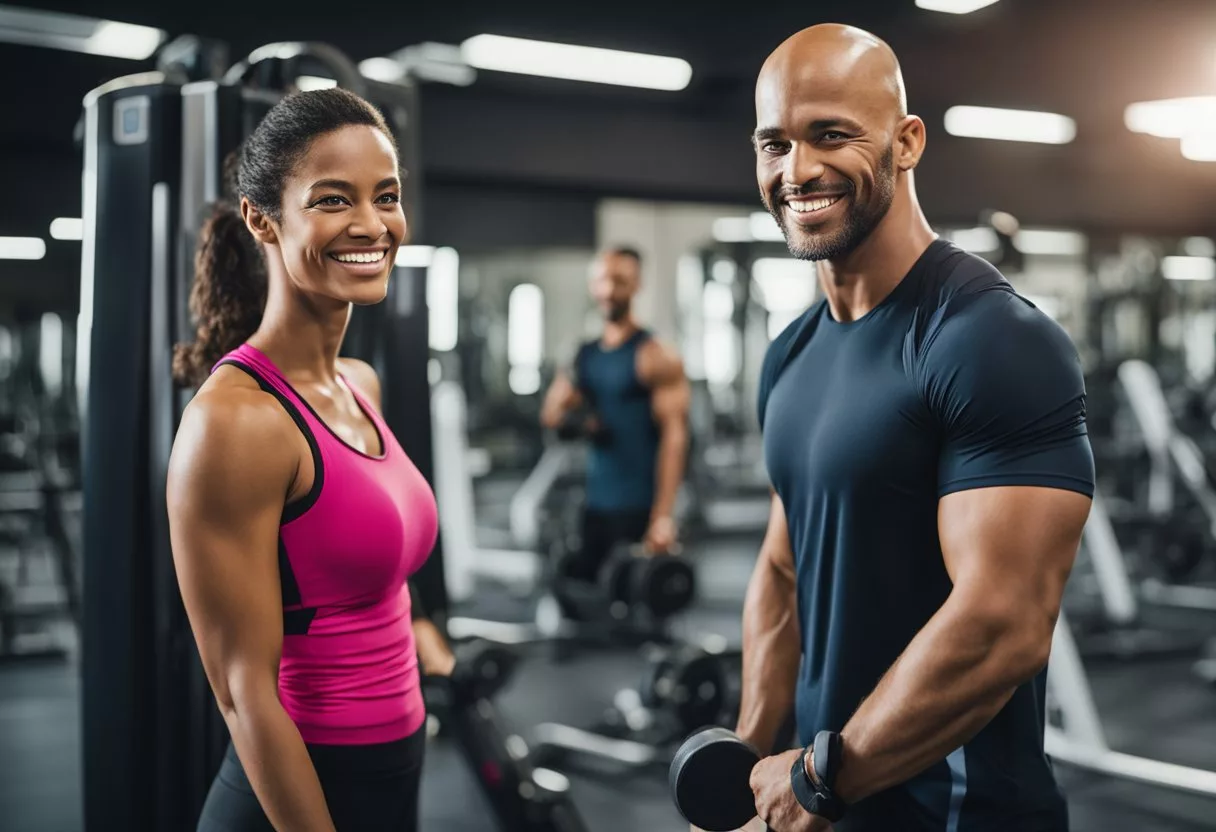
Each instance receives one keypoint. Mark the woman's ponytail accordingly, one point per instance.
(228, 296)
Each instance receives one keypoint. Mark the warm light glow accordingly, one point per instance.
(1010, 125)
(1200, 147)
(576, 63)
(954, 6)
(1173, 118)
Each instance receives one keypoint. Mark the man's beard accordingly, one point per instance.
(858, 223)
(616, 312)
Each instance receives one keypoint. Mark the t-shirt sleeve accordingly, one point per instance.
(775, 359)
(1005, 385)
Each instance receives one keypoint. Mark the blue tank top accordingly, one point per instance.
(620, 471)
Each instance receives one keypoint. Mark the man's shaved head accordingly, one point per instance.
(832, 123)
(842, 59)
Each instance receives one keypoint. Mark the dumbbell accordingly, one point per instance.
(710, 780)
(689, 683)
(482, 669)
(661, 585)
(584, 425)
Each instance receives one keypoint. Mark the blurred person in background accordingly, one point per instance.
(625, 394)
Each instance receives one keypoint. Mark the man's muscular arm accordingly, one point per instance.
(1008, 551)
(663, 372)
(771, 637)
(561, 399)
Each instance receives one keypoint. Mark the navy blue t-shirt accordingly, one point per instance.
(952, 382)
(620, 470)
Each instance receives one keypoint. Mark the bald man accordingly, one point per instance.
(924, 431)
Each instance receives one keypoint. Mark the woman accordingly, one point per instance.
(295, 516)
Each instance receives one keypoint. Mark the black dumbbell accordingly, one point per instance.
(689, 683)
(661, 585)
(710, 780)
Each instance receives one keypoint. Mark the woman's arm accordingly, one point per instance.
(234, 462)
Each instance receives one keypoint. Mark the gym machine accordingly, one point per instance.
(154, 151)
(684, 687)
(524, 797)
(1185, 540)
(1080, 741)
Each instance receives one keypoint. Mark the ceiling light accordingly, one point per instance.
(1188, 268)
(576, 63)
(381, 69)
(1173, 118)
(74, 33)
(1200, 147)
(1049, 242)
(953, 6)
(67, 228)
(733, 230)
(22, 248)
(765, 228)
(310, 83)
(1010, 125)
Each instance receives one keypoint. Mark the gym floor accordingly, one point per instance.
(1155, 709)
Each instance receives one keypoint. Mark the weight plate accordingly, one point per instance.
(664, 585)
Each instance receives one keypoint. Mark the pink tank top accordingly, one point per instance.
(349, 672)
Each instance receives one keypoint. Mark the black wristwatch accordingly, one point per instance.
(817, 796)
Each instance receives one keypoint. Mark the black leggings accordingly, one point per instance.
(367, 787)
(602, 530)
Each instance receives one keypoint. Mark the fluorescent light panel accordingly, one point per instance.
(381, 69)
(576, 63)
(1049, 241)
(1173, 118)
(22, 248)
(1188, 268)
(67, 228)
(1199, 148)
(954, 6)
(74, 33)
(1010, 125)
(309, 83)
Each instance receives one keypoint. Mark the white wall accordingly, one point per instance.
(663, 233)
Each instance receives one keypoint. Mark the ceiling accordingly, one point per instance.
(1084, 58)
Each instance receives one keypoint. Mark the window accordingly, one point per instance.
(442, 299)
(525, 338)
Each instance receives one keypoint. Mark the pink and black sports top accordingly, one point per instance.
(349, 672)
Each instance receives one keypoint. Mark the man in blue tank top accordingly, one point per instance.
(924, 431)
(628, 393)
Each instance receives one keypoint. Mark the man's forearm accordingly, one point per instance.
(278, 765)
(771, 653)
(669, 470)
(953, 678)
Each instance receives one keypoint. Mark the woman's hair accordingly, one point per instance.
(229, 292)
